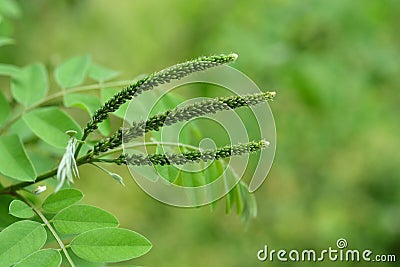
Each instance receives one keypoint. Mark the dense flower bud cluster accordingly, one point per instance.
(165, 76)
(191, 156)
(186, 113)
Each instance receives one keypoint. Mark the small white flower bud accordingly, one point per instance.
(40, 189)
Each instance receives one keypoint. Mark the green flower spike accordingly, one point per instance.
(154, 123)
(175, 72)
(191, 156)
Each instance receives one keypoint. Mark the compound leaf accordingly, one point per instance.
(30, 84)
(72, 72)
(61, 199)
(80, 218)
(20, 209)
(19, 240)
(101, 74)
(50, 125)
(90, 103)
(42, 258)
(14, 161)
(110, 245)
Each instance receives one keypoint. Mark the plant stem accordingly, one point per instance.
(13, 188)
(86, 159)
(47, 223)
(172, 144)
(80, 144)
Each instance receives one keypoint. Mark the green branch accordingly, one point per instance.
(155, 159)
(13, 188)
(47, 223)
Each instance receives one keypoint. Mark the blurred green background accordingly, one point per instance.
(335, 67)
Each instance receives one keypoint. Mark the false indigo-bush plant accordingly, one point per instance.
(38, 120)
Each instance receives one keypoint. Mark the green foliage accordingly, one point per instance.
(101, 74)
(61, 199)
(10, 8)
(50, 124)
(30, 84)
(107, 94)
(95, 232)
(149, 82)
(15, 162)
(112, 245)
(6, 218)
(19, 240)
(41, 258)
(38, 129)
(77, 219)
(20, 209)
(89, 103)
(8, 70)
(72, 72)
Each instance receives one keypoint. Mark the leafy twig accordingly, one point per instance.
(47, 223)
(157, 159)
(13, 188)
